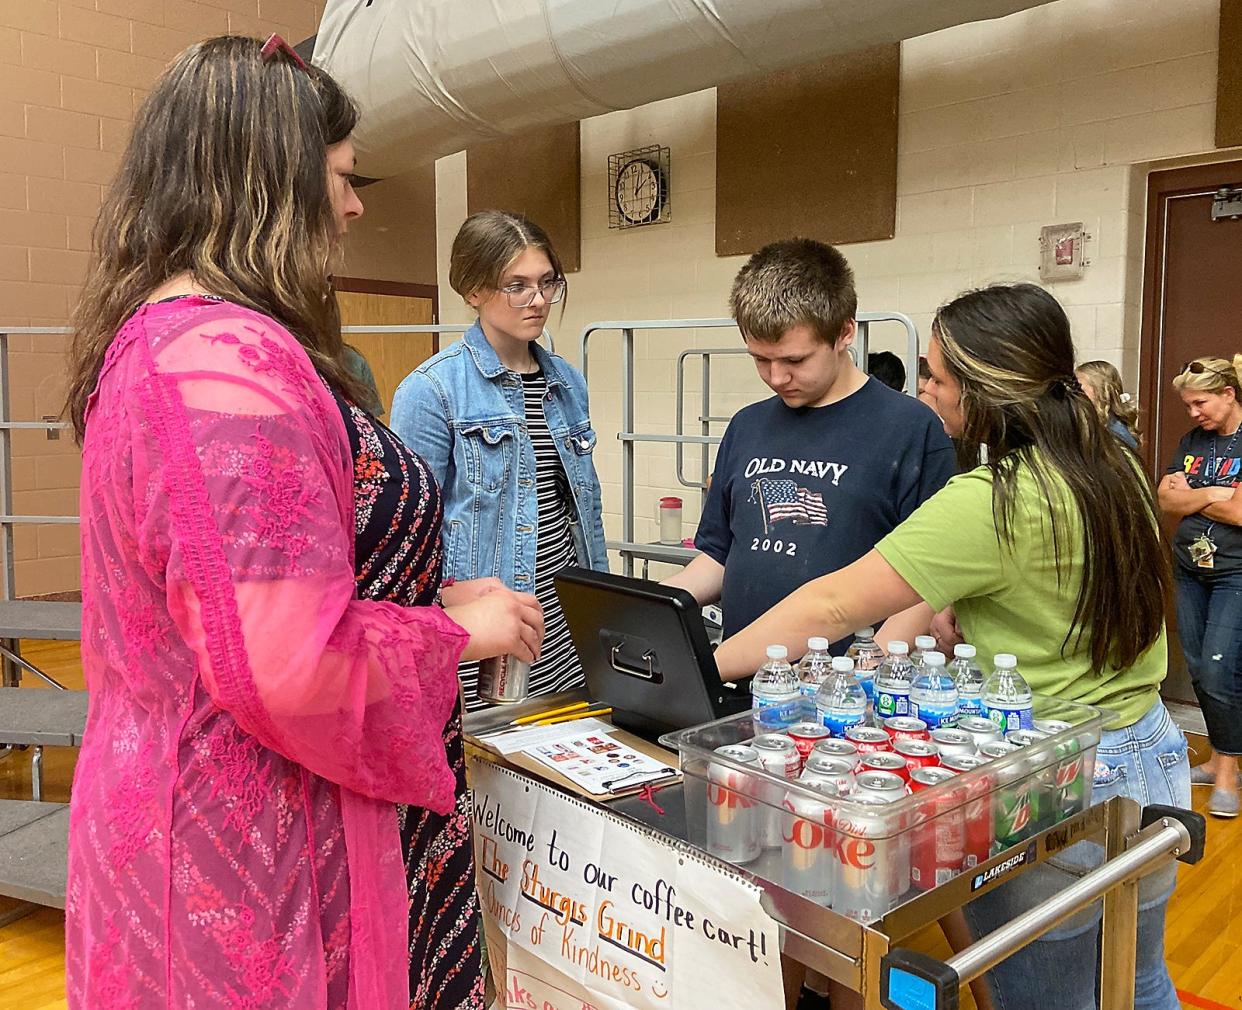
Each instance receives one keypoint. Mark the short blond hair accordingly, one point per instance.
(796, 282)
(1216, 374)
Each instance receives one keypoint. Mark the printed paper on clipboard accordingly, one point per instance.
(599, 763)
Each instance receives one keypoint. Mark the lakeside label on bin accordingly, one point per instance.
(596, 913)
(1003, 868)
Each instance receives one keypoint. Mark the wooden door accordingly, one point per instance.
(1192, 309)
(392, 356)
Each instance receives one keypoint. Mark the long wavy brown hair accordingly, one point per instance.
(224, 178)
(1009, 345)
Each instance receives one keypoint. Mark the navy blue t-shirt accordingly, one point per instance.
(798, 493)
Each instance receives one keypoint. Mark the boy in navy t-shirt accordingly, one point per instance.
(810, 480)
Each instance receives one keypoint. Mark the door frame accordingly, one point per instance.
(1163, 185)
(366, 286)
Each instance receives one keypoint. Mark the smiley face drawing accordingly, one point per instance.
(658, 991)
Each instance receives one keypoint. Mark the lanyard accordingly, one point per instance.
(1212, 474)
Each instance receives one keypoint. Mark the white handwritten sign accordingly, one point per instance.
(596, 913)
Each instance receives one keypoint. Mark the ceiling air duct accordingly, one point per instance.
(435, 76)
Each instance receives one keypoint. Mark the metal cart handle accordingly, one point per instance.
(910, 980)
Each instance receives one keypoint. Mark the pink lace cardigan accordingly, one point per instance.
(233, 842)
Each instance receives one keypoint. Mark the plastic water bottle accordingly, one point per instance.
(841, 702)
(933, 695)
(1006, 696)
(969, 680)
(813, 670)
(867, 655)
(775, 696)
(892, 682)
(922, 645)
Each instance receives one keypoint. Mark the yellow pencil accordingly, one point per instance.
(577, 715)
(539, 716)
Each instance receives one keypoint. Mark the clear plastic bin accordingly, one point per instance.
(862, 858)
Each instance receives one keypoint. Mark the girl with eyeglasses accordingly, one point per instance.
(505, 427)
(1200, 490)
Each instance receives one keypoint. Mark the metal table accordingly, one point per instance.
(34, 845)
(39, 719)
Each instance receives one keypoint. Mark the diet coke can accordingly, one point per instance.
(906, 727)
(917, 753)
(779, 758)
(806, 735)
(503, 680)
(868, 739)
(938, 837)
(838, 771)
(807, 858)
(981, 730)
(867, 843)
(953, 741)
(733, 812)
(894, 764)
(976, 803)
(838, 748)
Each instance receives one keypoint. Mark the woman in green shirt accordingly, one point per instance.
(1050, 551)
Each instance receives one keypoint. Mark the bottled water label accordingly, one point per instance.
(1009, 719)
(887, 704)
(934, 715)
(776, 713)
(868, 686)
(838, 722)
(809, 690)
(969, 704)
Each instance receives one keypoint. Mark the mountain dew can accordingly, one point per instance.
(1011, 802)
(1070, 776)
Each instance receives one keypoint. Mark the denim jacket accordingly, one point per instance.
(463, 412)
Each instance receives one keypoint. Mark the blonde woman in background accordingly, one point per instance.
(1201, 489)
(1102, 384)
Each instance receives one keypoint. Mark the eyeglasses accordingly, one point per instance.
(519, 296)
(1198, 368)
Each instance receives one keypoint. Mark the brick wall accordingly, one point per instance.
(72, 72)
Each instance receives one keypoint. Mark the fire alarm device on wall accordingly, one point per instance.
(638, 187)
(1061, 251)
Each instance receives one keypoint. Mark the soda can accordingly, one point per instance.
(1071, 775)
(733, 821)
(868, 739)
(868, 844)
(808, 861)
(824, 768)
(503, 680)
(894, 764)
(938, 835)
(779, 758)
(996, 749)
(976, 806)
(952, 741)
(838, 748)
(890, 788)
(806, 735)
(917, 753)
(1024, 737)
(1011, 803)
(981, 730)
(906, 727)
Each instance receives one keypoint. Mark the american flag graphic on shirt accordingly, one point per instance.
(784, 500)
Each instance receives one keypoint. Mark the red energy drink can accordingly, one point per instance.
(906, 727)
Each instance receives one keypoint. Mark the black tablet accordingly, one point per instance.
(644, 651)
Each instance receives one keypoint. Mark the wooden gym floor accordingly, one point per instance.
(1203, 947)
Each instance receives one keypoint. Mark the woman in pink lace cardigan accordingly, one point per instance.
(233, 841)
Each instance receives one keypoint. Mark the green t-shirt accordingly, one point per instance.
(1008, 599)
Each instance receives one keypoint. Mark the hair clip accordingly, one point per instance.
(275, 44)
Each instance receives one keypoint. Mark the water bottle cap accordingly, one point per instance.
(933, 658)
(777, 652)
(964, 651)
(865, 633)
(817, 644)
(924, 642)
(842, 664)
(898, 648)
(1005, 661)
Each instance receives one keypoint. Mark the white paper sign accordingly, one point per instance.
(597, 913)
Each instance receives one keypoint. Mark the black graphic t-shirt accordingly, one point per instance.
(799, 493)
(1194, 459)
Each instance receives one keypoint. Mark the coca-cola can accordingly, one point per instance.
(733, 812)
(906, 727)
(806, 735)
(885, 761)
(779, 758)
(825, 768)
(807, 857)
(503, 680)
(917, 753)
(868, 843)
(976, 806)
(868, 739)
(838, 748)
(952, 741)
(981, 730)
(938, 836)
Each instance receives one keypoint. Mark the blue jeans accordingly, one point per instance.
(1148, 763)
(1209, 624)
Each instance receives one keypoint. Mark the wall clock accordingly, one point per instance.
(638, 187)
